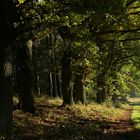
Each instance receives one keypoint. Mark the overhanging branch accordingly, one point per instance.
(117, 31)
(121, 40)
(131, 2)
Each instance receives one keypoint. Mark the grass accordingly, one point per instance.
(90, 111)
(136, 116)
(136, 112)
(97, 111)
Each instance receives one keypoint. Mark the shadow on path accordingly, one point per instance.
(78, 128)
(57, 123)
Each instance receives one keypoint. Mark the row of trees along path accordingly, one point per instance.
(77, 50)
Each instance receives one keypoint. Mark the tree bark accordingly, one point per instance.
(101, 93)
(51, 84)
(7, 36)
(25, 77)
(67, 83)
(55, 90)
(5, 89)
(79, 94)
(58, 82)
(36, 74)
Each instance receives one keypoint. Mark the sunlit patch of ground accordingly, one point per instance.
(76, 122)
(136, 111)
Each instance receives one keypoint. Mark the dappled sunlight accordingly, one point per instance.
(97, 111)
(81, 122)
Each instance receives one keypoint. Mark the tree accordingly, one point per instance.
(112, 36)
(6, 51)
(25, 76)
(25, 27)
(110, 32)
(67, 80)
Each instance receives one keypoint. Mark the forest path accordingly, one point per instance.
(135, 116)
(126, 128)
(52, 122)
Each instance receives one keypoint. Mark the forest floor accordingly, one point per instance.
(78, 122)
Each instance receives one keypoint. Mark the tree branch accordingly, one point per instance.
(134, 13)
(131, 2)
(121, 40)
(117, 31)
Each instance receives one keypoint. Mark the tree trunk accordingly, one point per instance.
(54, 86)
(38, 85)
(67, 83)
(101, 94)
(114, 98)
(79, 89)
(55, 90)
(5, 89)
(58, 85)
(25, 77)
(51, 84)
(36, 82)
(7, 36)
(36, 74)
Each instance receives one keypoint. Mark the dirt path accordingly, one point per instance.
(124, 124)
(123, 129)
(82, 129)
